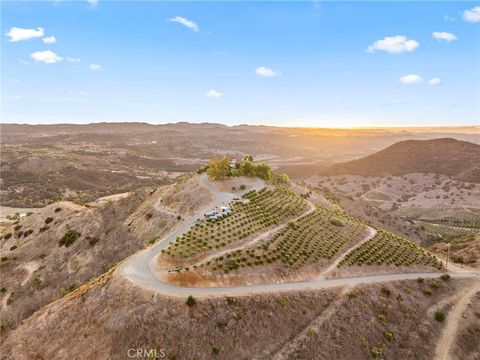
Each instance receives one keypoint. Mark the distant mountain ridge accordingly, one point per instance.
(458, 159)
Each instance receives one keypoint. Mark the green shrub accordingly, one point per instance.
(445, 277)
(439, 316)
(231, 300)
(7, 236)
(385, 291)
(336, 221)
(243, 187)
(352, 295)
(148, 216)
(420, 280)
(4, 258)
(92, 240)
(427, 292)
(3, 290)
(13, 247)
(162, 223)
(389, 336)
(69, 238)
(48, 220)
(27, 233)
(221, 324)
(215, 350)
(58, 209)
(152, 240)
(376, 353)
(282, 301)
(191, 301)
(382, 319)
(311, 333)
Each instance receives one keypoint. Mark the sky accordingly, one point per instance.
(313, 64)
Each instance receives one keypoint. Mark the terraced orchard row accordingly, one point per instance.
(315, 236)
(460, 217)
(256, 211)
(389, 249)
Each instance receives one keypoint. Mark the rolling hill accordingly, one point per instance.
(458, 159)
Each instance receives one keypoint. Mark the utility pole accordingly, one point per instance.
(448, 254)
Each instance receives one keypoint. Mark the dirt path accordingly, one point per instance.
(311, 329)
(158, 206)
(5, 300)
(447, 340)
(31, 267)
(371, 233)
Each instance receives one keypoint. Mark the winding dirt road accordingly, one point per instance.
(448, 337)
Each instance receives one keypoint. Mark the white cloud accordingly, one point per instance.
(435, 81)
(74, 60)
(47, 57)
(213, 94)
(444, 36)
(448, 18)
(49, 40)
(188, 23)
(93, 2)
(267, 72)
(18, 34)
(95, 67)
(472, 15)
(411, 79)
(394, 45)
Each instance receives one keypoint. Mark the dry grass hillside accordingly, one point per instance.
(464, 250)
(60, 247)
(459, 159)
(395, 320)
(468, 347)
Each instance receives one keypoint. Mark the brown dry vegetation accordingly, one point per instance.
(359, 327)
(467, 346)
(36, 269)
(459, 159)
(464, 250)
(109, 319)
